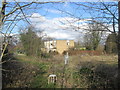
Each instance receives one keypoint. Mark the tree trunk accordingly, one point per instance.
(118, 44)
(2, 12)
(2, 16)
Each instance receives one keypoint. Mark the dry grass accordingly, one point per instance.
(108, 59)
(68, 75)
(106, 64)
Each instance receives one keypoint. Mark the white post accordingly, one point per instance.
(66, 58)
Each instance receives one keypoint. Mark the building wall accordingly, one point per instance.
(71, 43)
(60, 45)
(50, 45)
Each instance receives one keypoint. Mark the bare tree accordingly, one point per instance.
(119, 43)
(14, 12)
(11, 13)
(108, 16)
(103, 12)
(93, 37)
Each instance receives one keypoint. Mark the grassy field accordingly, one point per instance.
(82, 71)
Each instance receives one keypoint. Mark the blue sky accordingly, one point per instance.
(53, 10)
(50, 18)
(61, 0)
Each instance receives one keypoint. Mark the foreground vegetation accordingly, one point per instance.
(83, 71)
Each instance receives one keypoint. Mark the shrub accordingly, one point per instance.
(53, 53)
(45, 55)
(64, 53)
(99, 76)
(111, 44)
(39, 82)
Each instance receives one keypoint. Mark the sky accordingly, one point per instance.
(56, 20)
(57, 24)
(61, 0)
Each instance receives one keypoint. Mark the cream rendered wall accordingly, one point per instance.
(63, 45)
(60, 45)
(71, 43)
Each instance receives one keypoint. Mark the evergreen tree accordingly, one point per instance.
(111, 44)
(31, 42)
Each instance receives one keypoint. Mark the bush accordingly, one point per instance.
(111, 44)
(48, 55)
(39, 82)
(64, 53)
(45, 55)
(53, 53)
(99, 76)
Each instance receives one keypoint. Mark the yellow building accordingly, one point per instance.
(58, 45)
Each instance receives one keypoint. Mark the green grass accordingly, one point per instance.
(40, 80)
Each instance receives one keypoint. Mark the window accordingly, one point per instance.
(67, 43)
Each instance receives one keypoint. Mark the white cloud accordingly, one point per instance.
(59, 35)
(59, 28)
(36, 17)
(63, 34)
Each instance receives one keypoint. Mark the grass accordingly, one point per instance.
(82, 71)
(96, 71)
(40, 80)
